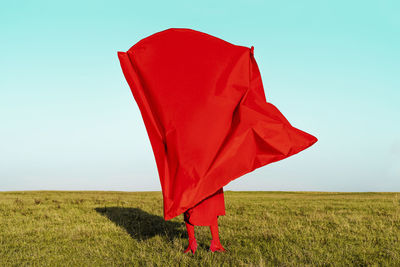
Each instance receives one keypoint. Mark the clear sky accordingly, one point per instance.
(68, 120)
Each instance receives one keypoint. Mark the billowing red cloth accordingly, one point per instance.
(205, 111)
(205, 212)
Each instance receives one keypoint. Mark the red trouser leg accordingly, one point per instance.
(215, 242)
(192, 240)
(190, 230)
(214, 231)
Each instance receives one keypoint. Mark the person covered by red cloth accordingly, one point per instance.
(208, 120)
(205, 213)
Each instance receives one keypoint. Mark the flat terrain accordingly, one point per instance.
(89, 228)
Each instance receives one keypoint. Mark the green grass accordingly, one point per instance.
(89, 228)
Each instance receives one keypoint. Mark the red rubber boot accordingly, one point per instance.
(215, 242)
(192, 240)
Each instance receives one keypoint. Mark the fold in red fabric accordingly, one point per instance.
(205, 212)
(205, 111)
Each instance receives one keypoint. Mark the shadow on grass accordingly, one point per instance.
(142, 225)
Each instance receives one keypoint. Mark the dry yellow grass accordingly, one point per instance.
(90, 228)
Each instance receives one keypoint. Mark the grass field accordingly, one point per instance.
(90, 228)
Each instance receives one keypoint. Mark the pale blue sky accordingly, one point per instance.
(69, 121)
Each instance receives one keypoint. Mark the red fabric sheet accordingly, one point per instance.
(205, 111)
